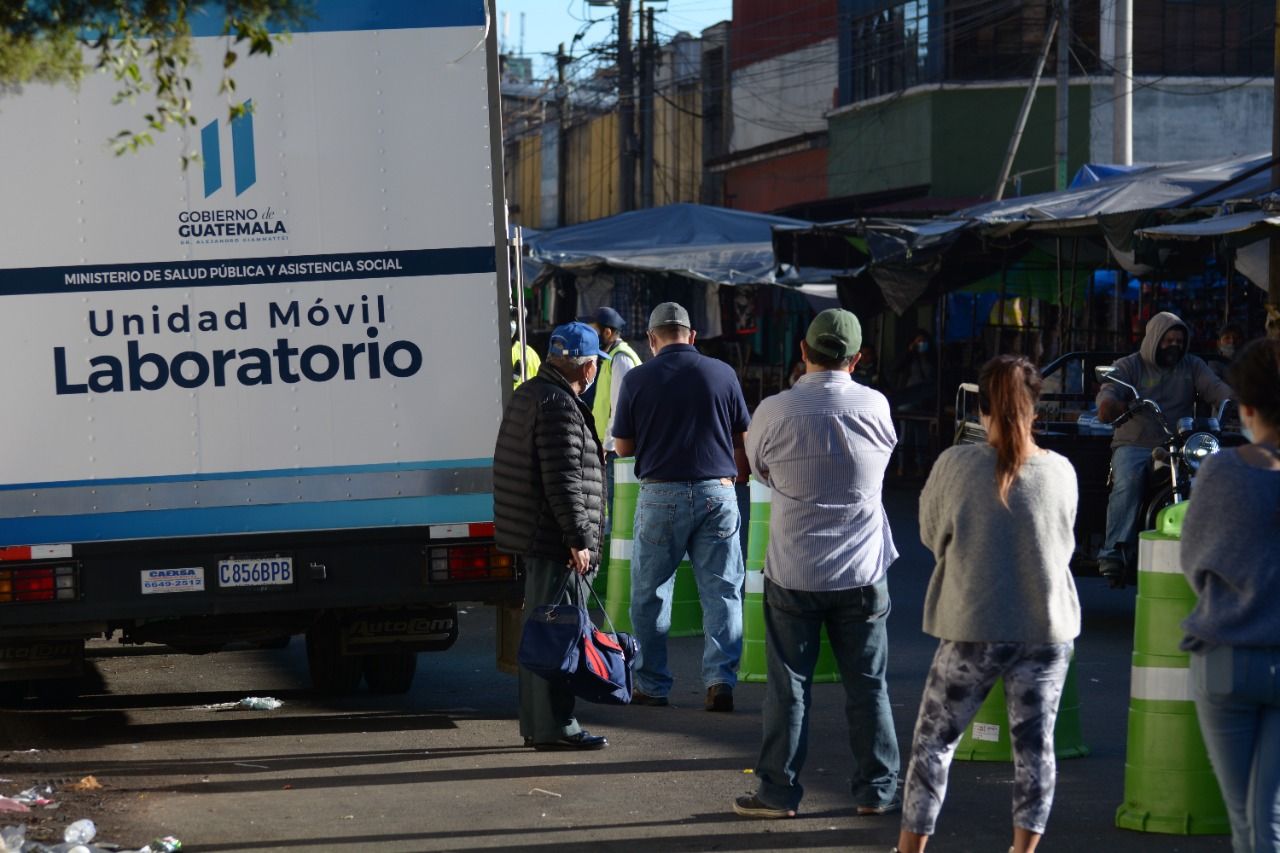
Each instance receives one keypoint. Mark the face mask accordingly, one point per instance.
(922, 346)
(1227, 350)
(1168, 356)
(1247, 433)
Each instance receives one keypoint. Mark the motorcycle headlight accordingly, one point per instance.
(1199, 447)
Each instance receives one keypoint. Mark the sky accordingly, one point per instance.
(549, 22)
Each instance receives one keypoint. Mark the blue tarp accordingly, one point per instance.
(706, 243)
(1091, 173)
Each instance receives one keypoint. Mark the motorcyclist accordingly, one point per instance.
(1166, 374)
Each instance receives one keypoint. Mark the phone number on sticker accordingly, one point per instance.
(277, 571)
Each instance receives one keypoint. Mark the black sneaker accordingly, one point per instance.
(750, 806)
(639, 697)
(1113, 571)
(719, 698)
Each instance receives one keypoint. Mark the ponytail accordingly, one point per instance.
(1008, 388)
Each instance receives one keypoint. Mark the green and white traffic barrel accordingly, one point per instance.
(1169, 785)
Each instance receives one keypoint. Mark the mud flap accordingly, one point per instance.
(431, 628)
(23, 660)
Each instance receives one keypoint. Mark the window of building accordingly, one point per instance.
(890, 49)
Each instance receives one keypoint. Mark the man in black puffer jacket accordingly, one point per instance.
(548, 502)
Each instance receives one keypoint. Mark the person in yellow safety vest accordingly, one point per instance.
(522, 351)
(609, 324)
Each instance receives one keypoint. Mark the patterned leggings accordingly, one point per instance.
(959, 680)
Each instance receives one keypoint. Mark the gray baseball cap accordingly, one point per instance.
(669, 314)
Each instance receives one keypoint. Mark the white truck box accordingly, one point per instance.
(259, 396)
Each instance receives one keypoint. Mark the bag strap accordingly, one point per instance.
(563, 597)
(562, 594)
(607, 621)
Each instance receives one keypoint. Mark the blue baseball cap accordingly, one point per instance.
(606, 317)
(575, 340)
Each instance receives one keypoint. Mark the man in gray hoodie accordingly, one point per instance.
(1165, 373)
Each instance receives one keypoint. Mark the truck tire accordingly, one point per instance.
(391, 672)
(332, 672)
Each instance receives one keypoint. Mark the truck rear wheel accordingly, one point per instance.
(331, 671)
(391, 672)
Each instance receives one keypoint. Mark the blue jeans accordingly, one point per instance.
(855, 620)
(1128, 478)
(1237, 693)
(699, 518)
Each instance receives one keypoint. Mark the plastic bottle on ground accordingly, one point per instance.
(80, 832)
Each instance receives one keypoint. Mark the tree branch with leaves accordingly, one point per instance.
(145, 45)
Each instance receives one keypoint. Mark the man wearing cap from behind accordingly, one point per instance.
(609, 324)
(822, 448)
(683, 416)
(548, 508)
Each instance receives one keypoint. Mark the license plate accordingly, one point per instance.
(255, 572)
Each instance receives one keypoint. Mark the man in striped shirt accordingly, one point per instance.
(822, 448)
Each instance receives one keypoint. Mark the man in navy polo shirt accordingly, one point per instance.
(683, 417)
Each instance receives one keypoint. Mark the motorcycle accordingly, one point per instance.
(1176, 461)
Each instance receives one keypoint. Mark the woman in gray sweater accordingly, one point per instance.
(1231, 557)
(998, 518)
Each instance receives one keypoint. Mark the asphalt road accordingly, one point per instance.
(443, 768)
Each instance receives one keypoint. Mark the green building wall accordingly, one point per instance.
(953, 141)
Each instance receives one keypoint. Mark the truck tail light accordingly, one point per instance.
(469, 562)
(38, 583)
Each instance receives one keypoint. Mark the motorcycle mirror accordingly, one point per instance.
(1106, 373)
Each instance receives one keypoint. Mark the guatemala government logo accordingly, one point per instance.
(231, 224)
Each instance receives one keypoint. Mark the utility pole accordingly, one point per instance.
(1064, 79)
(562, 137)
(626, 111)
(1030, 95)
(648, 70)
(1122, 85)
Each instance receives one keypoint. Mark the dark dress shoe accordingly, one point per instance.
(639, 697)
(719, 698)
(582, 740)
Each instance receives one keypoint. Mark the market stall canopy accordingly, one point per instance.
(884, 263)
(901, 262)
(1178, 186)
(1238, 228)
(711, 244)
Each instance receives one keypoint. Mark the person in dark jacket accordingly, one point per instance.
(1163, 371)
(548, 501)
